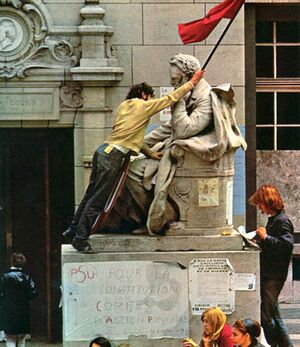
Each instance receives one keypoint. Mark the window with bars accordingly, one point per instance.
(278, 85)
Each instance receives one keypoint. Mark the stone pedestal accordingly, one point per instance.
(203, 192)
(137, 291)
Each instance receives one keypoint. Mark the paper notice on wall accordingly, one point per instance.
(229, 202)
(210, 285)
(208, 192)
(243, 281)
(165, 114)
(119, 299)
(239, 186)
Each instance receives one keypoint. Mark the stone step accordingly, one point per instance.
(290, 311)
(293, 327)
(291, 315)
(295, 339)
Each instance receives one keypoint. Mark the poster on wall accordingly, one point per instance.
(165, 115)
(208, 192)
(123, 298)
(213, 282)
(243, 281)
(210, 285)
(229, 202)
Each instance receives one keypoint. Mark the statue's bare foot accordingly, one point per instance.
(141, 231)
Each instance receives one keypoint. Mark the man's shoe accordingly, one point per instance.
(69, 235)
(81, 245)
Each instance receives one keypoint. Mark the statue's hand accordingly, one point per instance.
(197, 77)
(156, 155)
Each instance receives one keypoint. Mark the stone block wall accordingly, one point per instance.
(278, 168)
(147, 37)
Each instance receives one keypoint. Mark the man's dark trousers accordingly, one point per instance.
(106, 167)
(275, 329)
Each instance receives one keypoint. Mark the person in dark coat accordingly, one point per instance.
(16, 290)
(276, 241)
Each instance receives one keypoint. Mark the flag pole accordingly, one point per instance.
(221, 37)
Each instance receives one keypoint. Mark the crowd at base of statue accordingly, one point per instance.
(216, 332)
(276, 241)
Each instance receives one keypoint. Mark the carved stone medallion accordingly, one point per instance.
(14, 34)
(25, 41)
(11, 34)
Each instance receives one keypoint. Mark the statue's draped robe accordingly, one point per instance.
(203, 124)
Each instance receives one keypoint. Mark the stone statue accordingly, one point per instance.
(202, 129)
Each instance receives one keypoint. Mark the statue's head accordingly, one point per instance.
(182, 68)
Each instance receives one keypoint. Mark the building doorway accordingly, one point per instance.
(37, 202)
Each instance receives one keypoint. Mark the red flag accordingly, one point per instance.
(198, 30)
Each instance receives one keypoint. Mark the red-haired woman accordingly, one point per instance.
(276, 241)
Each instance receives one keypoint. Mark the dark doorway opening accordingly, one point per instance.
(36, 204)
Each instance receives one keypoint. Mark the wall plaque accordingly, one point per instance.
(29, 104)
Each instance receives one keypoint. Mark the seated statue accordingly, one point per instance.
(202, 128)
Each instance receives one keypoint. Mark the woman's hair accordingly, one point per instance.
(18, 260)
(216, 318)
(137, 90)
(269, 196)
(101, 341)
(250, 326)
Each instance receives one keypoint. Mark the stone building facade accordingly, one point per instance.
(64, 68)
